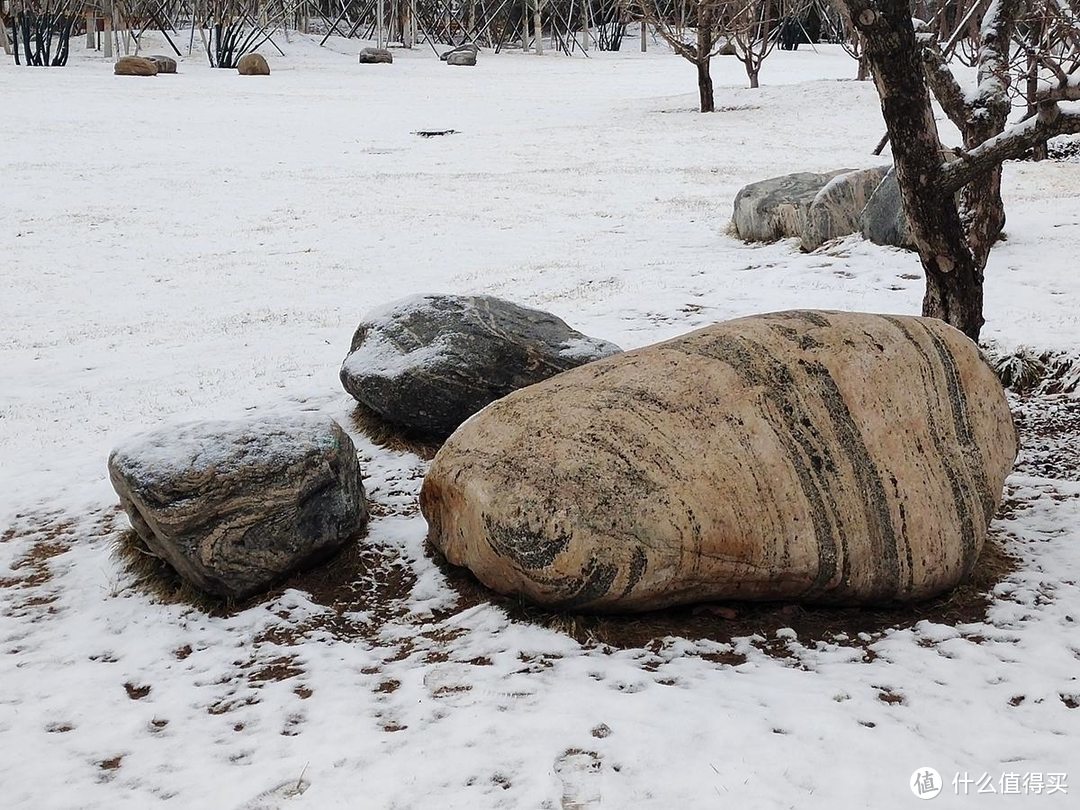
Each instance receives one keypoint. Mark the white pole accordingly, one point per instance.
(538, 28)
(585, 24)
(381, 32)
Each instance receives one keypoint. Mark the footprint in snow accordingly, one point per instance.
(275, 797)
(580, 774)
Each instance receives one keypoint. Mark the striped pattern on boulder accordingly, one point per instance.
(823, 457)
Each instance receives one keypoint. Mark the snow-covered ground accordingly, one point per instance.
(202, 246)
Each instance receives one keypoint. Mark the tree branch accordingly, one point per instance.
(1013, 143)
(945, 87)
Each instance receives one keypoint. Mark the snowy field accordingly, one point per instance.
(203, 245)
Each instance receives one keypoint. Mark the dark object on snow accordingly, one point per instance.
(135, 66)
(883, 221)
(33, 34)
(468, 47)
(376, 56)
(234, 506)
(428, 363)
(165, 64)
(434, 133)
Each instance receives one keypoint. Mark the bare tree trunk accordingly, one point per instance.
(704, 52)
(954, 274)
(705, 86)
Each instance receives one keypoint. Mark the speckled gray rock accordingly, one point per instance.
(134, 66)
(165, 64)
(235, 505)
(428, 363)
(837, 208)
(253, 64)
(883, 220)
(823, 457)
(376, 56)
(467, 48)
(462, 58)
(778, 208)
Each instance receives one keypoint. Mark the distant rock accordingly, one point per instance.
(778, 208)
(838, 206)
(165, 64)
(253, 64)
(135, 66)
(428, 363)
(727, 49)
(376, 56)
(883, 220)
(468, 47)
(234, 506)
(463, 55)
(819, 457)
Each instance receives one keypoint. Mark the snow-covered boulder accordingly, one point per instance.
(823, 457)
(253, 64)
(135, 66)
(883, 220)
(778, 208)
(427, 363)
(837, 207)
(376, 56)
(235, 505)
(165, 64)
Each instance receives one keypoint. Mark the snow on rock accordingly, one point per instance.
(427, 363)
(233, 506)
(779, 207)
(837, 208)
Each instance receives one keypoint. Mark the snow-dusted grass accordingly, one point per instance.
(202, 245)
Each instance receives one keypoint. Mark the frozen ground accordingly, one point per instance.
(202, 245)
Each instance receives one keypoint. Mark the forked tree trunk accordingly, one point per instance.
(954, 273)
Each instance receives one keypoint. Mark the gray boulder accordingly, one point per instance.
(883, 220)
(467, 48)
(235, 505)
(428, 363)
(376, 56)
(838, 206)
(134, 66)
(165, 64)
(779, 207)
(253, 64)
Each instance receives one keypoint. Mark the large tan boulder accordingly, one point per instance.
(252, 64)
(824, 457)
(135, 66)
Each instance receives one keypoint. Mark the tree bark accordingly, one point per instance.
(954, 274)
(705, 86)
(704, 54)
